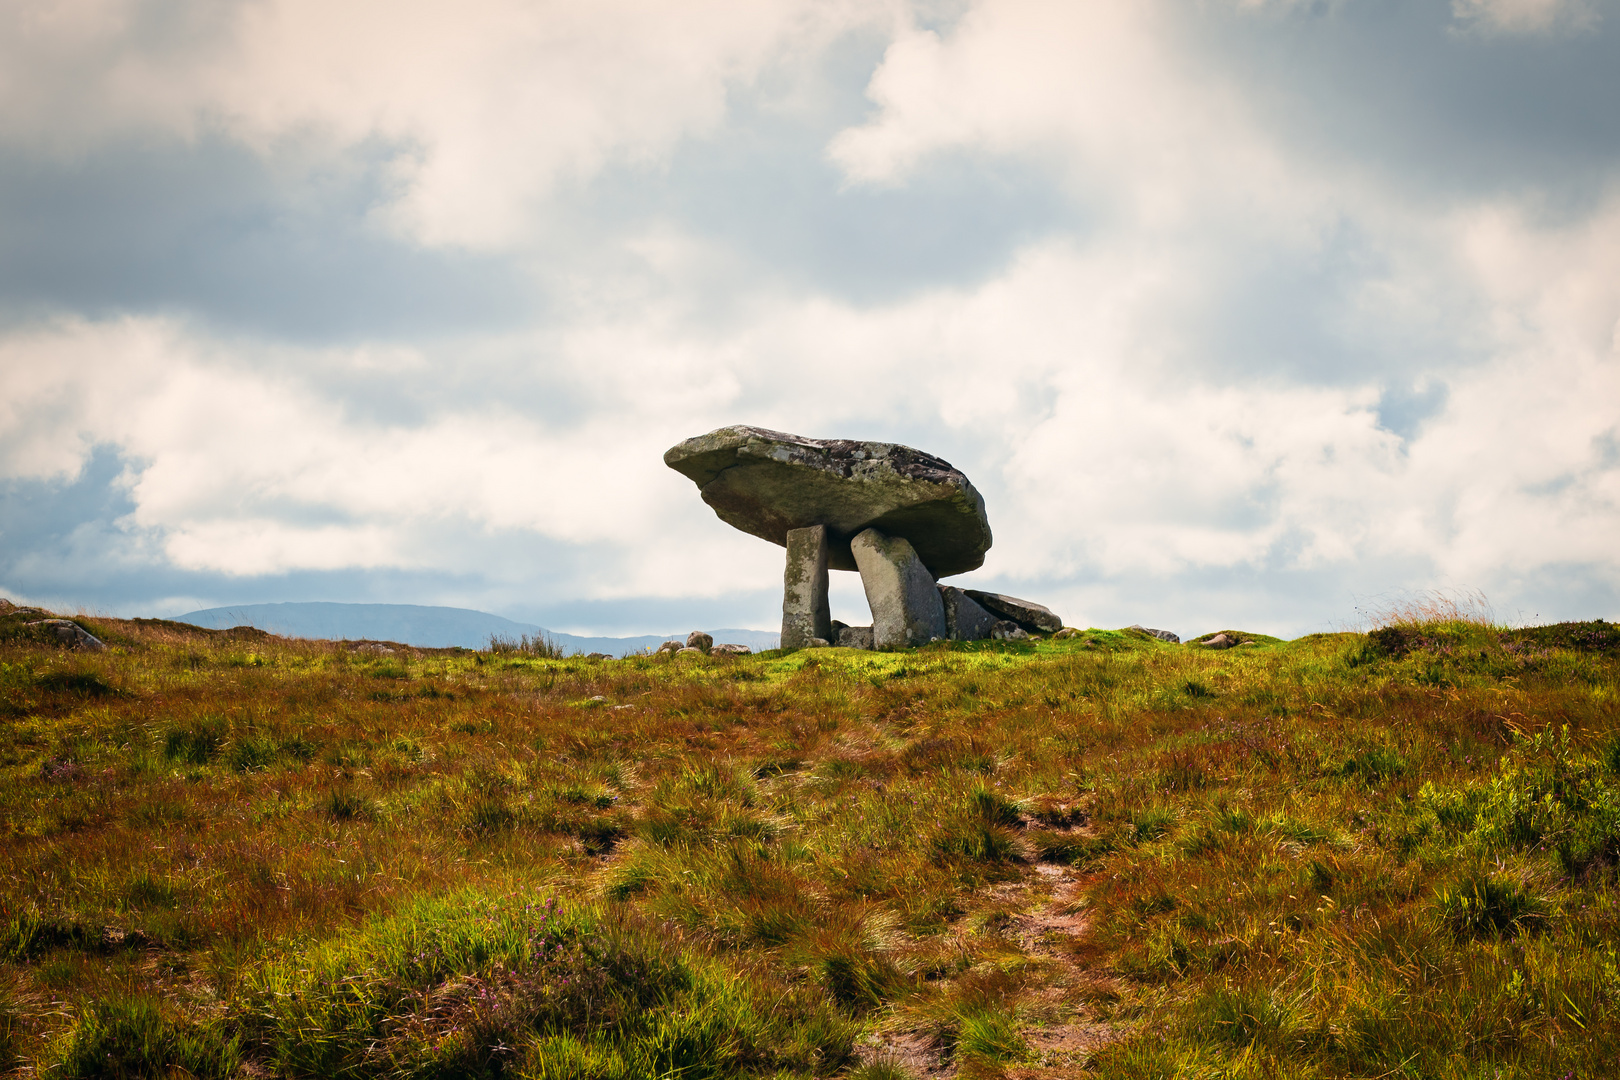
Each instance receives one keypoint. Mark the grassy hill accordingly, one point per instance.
(228, 854)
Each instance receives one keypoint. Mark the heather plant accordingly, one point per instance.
(1359, 854)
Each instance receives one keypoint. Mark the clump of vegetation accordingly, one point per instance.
(1383, 853)
(542, 645)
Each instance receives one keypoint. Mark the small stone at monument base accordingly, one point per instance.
(598, 656)
(669, 647)
(1007, 630)
(1026, 613)
(700, 641)
(688, 651)
(1065, 634)
(1162, 635)
(818, 643)
(965, 620)
(1219, 641)
(906, 608)
(730, 650)
(855, 637)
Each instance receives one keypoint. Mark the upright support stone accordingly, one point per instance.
(965, 620)
(906, 608)
(805, 614)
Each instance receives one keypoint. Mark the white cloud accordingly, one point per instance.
(498, 101)
(1092, 387)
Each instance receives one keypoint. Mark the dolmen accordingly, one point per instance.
(902, 518)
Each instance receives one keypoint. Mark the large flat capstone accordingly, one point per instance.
(768, 483)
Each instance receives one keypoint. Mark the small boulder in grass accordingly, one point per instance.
(71, 634)
(689, 651)
(730, 650)
(1007, 630)
(598, 656)
(700, 641)
(1219, 641)
(669, 647)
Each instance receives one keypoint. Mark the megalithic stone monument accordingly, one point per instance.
(920, 520)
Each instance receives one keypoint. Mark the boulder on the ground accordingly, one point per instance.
(1219, 641)
(688, 650)
(906, 608)
(1036, 618)
(669, 647)
(854, 637)
(1007, 630)
(697, 639)
(965, 619)
(730, 650)
(71, 634)
(598, 656)
(1162, 635)
(767, 483)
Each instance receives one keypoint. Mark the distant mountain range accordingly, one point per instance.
(430, 627)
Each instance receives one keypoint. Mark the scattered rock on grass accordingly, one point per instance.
(1007, 630)
(730, 650)
(1162, 635)
(700, 641)
(71, 634)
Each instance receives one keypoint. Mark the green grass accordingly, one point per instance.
(1391, 854)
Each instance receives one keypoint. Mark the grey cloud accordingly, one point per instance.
(1391, 84)
(278, 247)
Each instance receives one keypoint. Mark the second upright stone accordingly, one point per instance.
(906, 607)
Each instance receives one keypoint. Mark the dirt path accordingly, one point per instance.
(1050, 927)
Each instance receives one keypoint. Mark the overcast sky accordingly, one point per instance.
(1251, 313)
